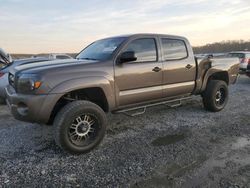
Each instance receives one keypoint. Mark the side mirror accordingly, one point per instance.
(127, 57)
(10, 58)
(4, 57)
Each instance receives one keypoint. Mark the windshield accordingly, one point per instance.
(102, 49)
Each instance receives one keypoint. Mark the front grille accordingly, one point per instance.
(12, 80)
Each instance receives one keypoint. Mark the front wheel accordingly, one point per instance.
(215, 96)
(80, 126)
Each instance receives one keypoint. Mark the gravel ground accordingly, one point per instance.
(166, 147)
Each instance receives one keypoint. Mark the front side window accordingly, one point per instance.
(145, 49)
(174, 49)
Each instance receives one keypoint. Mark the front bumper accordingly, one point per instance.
(30, 108)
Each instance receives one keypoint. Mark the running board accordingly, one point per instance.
(144, 107)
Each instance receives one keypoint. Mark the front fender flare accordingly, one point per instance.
(87, 82)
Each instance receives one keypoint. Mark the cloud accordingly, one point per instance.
(63, 26)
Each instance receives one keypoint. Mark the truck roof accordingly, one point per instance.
(150, 34)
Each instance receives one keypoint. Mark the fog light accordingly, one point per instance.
(37, 84)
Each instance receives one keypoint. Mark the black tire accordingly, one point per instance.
(75, 137)
(2, 100)
(215, 96)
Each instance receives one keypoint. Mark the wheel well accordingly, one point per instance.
(95, 95)
(220, 76)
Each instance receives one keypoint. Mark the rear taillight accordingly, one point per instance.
(1, 74)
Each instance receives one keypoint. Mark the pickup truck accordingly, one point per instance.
(119, 75)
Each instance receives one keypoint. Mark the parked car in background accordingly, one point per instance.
(5, 60)
(210, 55)
(53, 56)
(6, 66)
(244, 57)
(59, 56)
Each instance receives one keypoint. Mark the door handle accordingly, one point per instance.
(189, 66)
(157, 69)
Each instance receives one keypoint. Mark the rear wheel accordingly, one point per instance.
(215, 96)
(80, 126)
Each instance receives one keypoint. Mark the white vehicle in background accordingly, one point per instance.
(5, 60)
(210, 55)
(244, 57)
(59, 56)
(53, 56)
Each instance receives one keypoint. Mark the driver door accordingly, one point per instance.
(140, 80)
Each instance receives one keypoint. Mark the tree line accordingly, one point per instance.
(217, 47)
(222, 47)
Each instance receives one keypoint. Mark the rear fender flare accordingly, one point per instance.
(84, 83)
(212, 72)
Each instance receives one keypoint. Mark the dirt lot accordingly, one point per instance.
(166, 147)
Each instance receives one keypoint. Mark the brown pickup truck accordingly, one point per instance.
(124, 74)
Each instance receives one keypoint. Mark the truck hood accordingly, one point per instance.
(38, 66)
(54, 73)
(15, 63)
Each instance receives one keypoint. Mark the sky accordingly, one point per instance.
(53, 26)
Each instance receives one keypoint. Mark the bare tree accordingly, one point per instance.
(224, 46)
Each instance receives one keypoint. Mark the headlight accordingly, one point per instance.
(27, 83)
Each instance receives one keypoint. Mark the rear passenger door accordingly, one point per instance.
(140, 80)
(179, 68)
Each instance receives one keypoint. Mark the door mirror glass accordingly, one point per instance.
(127, 57)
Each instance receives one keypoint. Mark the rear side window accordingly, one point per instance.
(145, 49)
(174, 49)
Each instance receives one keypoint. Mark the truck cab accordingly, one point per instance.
(155, 74)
